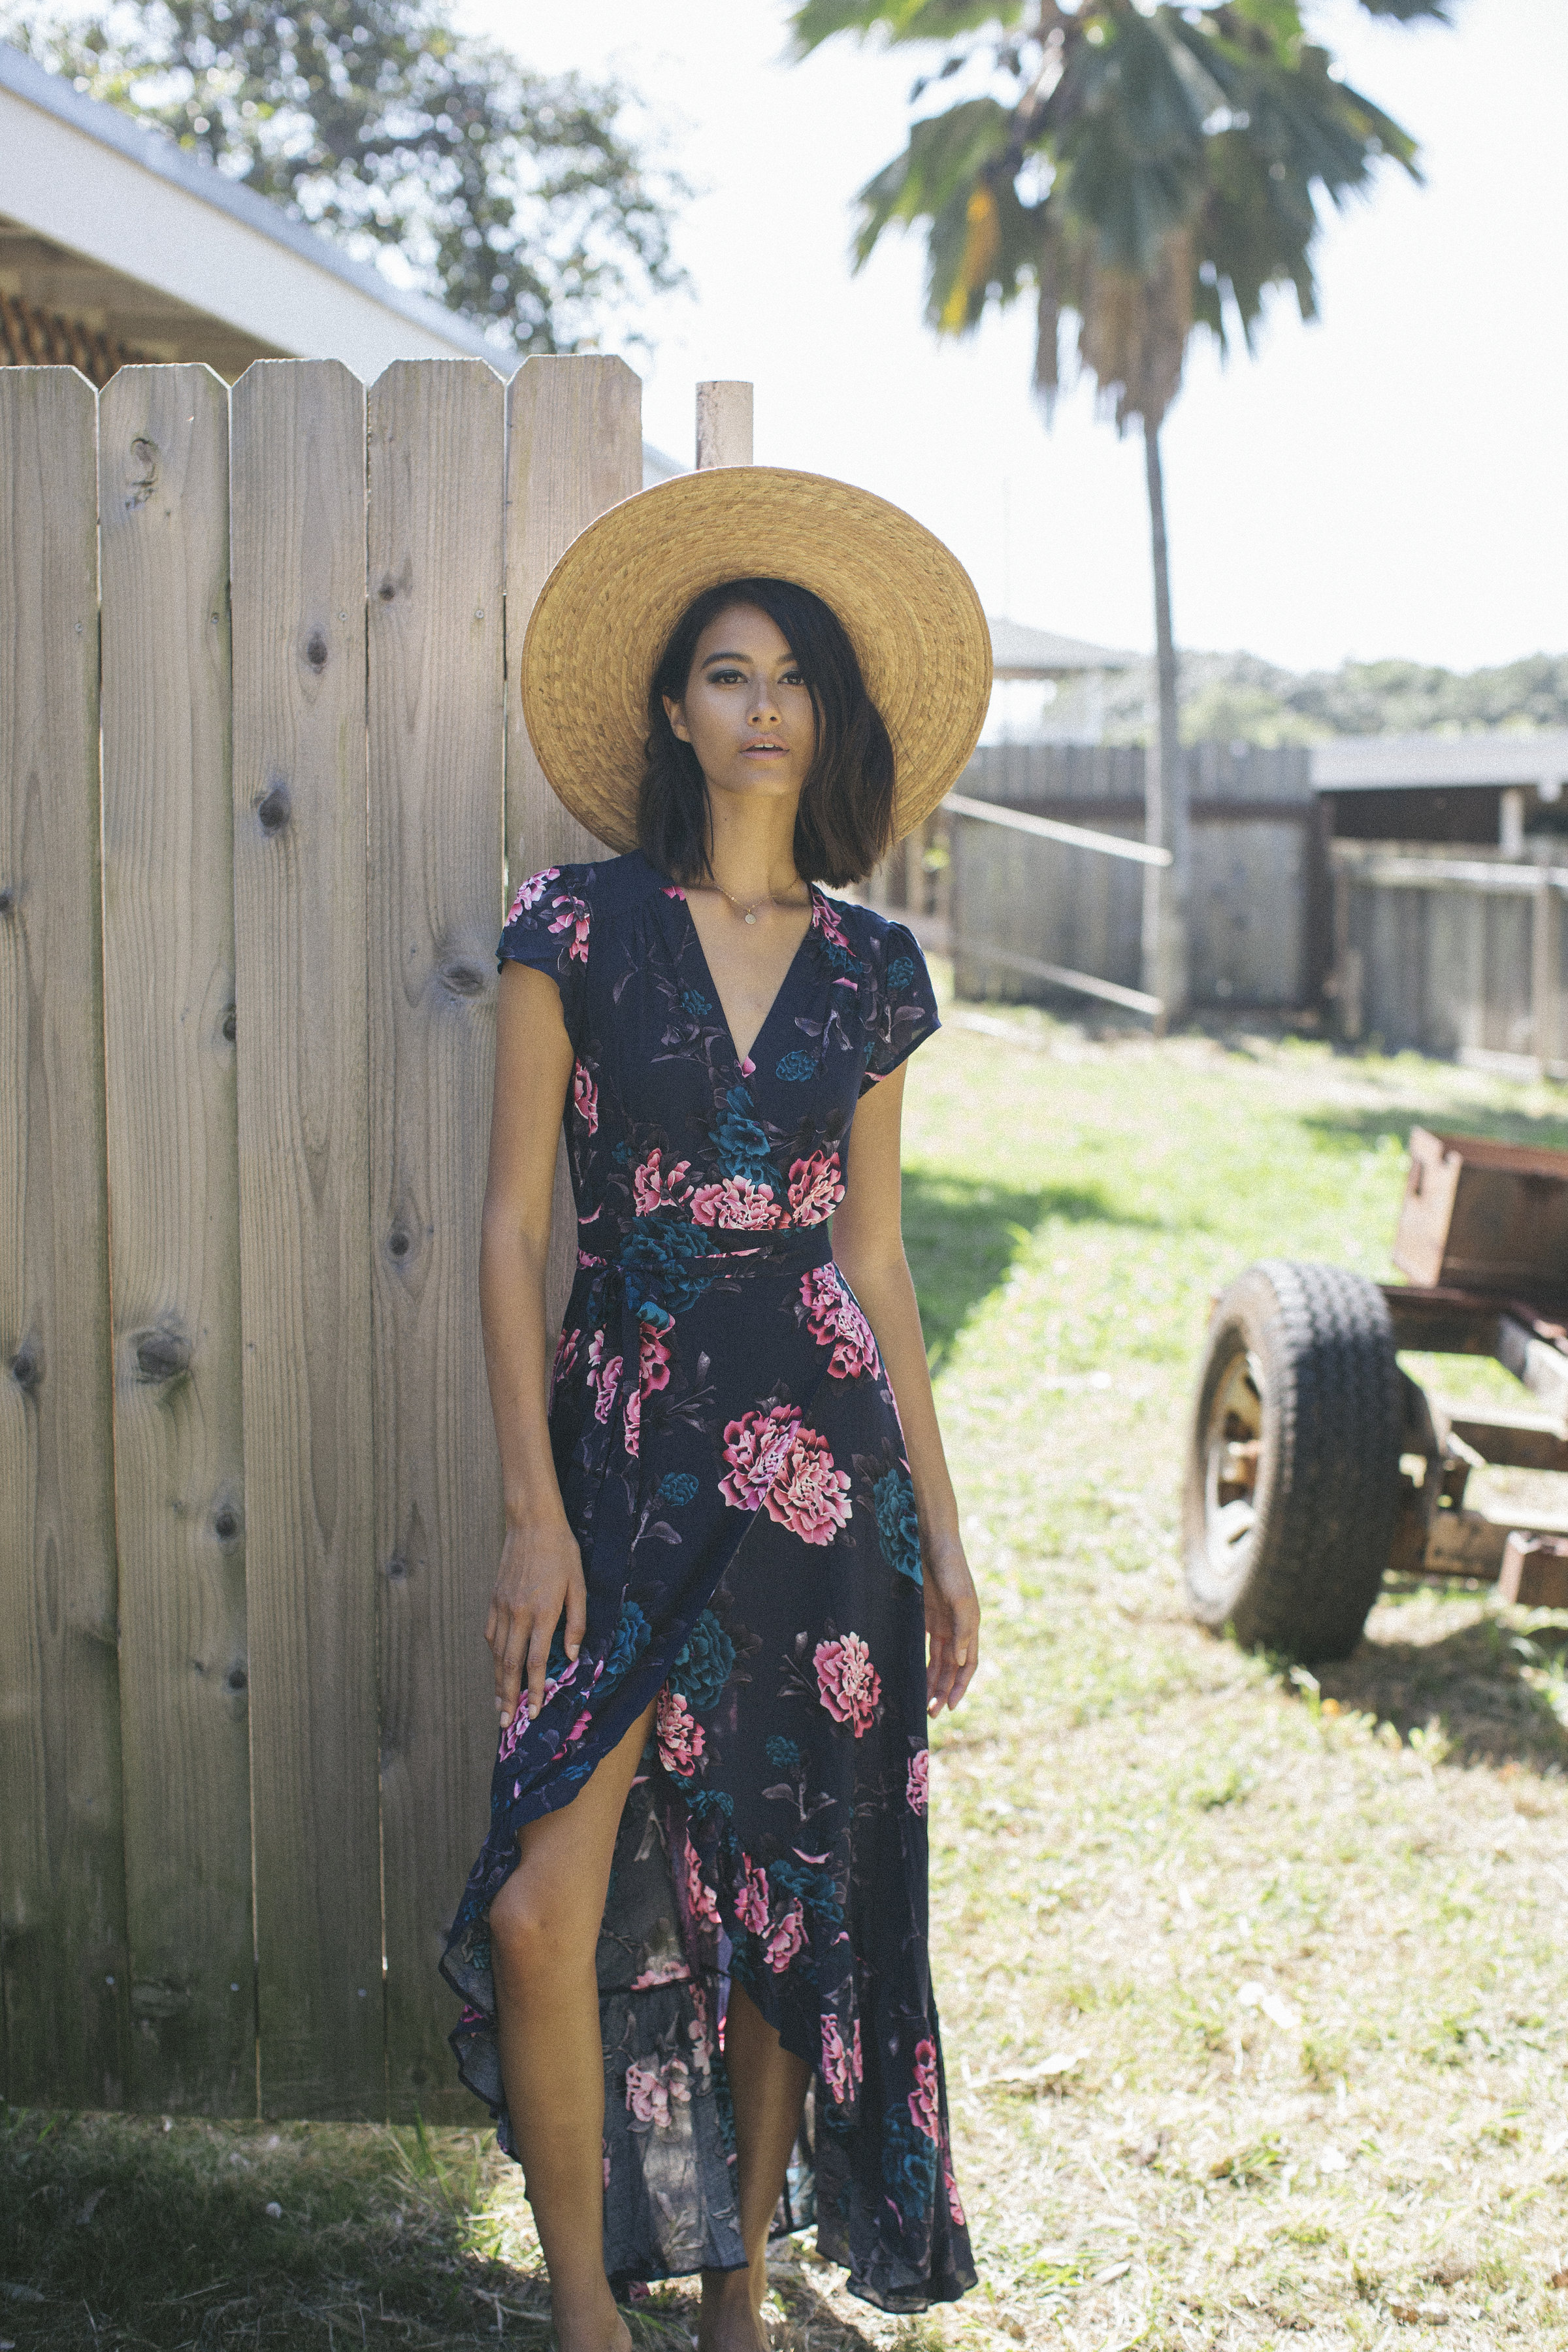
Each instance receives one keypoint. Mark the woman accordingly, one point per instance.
(727, 1549)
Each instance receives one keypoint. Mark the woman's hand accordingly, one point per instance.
(952, 1622)
(541, 1571)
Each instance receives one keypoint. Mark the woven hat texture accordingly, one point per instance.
(606, 611)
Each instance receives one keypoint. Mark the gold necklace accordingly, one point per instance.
(748, 914)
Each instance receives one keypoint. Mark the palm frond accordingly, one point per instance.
(897, 20)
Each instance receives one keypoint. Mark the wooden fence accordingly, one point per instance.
(262, 766)
(1462, 954)
(1258, 918)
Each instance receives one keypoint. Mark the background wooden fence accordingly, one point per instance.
(252, 869)
(1460, 953)
(1258, 918)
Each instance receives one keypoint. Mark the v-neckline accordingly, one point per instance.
(745, 1064)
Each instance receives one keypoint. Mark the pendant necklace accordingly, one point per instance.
(748, 914)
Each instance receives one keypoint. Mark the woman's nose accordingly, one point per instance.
(764, 709)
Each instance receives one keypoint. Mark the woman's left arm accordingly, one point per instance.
(868, 1246)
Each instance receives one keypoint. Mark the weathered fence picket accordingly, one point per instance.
(168, 931)
(436, 693)
(298, 505)
(573, 448)
(62, 1892)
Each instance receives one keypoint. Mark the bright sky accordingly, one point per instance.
(1391, 480)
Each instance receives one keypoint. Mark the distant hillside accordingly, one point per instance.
(1237, 697)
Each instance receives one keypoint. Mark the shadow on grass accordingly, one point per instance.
(962, 1237)
(1369, 1123)
(1483, 1686)
(117, 2235)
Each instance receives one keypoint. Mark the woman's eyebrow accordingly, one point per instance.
(709, 658)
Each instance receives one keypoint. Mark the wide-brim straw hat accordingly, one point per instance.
(607, 610)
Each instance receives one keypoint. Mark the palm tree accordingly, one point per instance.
(1143, 170)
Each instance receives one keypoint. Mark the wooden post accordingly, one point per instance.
(573, 448)
(723, 425)
(62, 1889)
(299, 518)
(168, 831)
(1545, 963)
(436, 478)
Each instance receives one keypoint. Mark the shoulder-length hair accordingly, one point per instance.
(844, 825)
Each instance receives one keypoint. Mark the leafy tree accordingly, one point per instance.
(1139, 170)
(523, 200)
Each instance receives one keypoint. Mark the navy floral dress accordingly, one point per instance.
(732, 1463)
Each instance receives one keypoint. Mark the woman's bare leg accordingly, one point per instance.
(768, 2085)
(544, 1929)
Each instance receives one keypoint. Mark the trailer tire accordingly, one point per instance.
(1292, 1483)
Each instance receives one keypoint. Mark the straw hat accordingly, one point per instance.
(606, 611)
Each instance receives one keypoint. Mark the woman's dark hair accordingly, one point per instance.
(844, 821)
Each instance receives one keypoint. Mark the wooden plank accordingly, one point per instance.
(436, 710)
(573, 448)
(62, 1891)
(168, 829)
(723, 424)
(297, 523)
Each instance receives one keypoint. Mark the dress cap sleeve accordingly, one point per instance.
(903, 1012)
(549, 929)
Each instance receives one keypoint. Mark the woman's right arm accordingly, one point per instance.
(540, 1569)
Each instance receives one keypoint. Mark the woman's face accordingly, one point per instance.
(746, 711)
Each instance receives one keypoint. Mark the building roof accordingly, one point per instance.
(1018, 651)
(104, 219)
(1377, 764)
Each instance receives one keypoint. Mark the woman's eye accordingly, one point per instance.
(724, 676)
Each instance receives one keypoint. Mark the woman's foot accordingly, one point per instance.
(731, 2318)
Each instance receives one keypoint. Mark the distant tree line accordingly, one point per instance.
(1237, 697)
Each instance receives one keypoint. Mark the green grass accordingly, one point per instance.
(1251, 1983)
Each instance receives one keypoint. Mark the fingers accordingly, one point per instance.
(954, 1653)
(576, 1613)
(537, 1666)
(509, 1662)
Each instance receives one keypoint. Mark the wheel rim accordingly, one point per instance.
(1233, 1447)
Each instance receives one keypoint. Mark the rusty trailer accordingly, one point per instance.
(1317, 1466)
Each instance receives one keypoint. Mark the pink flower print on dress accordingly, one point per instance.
(737, 1204)
(810, 1495)
(815, 1188)
(631, 1423)
(521, 1718)
(755, 1447)
(919, 1784)
(848, 1682)
(841, 2068)
(954, 2208)
(825, 919)
(680, 1741)
(751, 1902)
(585, 1095)
(651, 2090)
(787, 1938)
(573, 917)
(922, 2098)
(834, 1320)
(602, 1377)
(704, 1902)
(653, 1360)
(532, 890)
(566, 1357)
(652, 1189)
